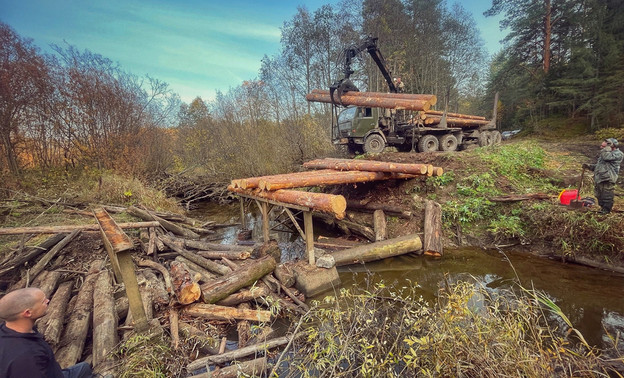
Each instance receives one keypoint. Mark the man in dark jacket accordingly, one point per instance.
(23, 351)
(606, 172)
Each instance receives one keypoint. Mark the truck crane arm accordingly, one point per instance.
(343, 85)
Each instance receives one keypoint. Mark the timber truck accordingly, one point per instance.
(370, 121)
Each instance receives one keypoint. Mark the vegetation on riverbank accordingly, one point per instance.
(470, 331)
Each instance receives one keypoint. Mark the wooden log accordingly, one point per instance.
(52, 322)
(373, 100)
(253, 182)
(379, 225)
(40, 265)
(334, 178)
(204, 245)
(156, 286)
(105, 323)
(348, 227)
(68, 228)
(367, 165)
(402, 96)
(253, 368)
(122, 306)
(79, 323)
(285, 275)
(220, 288)
(169, 226)
(437, 171)
(206, 276)
(461, 122)
(174, 328)
(216, 312)
(203, 262)
(161, 269)
(151, 244)
(217, 255)
(378, 251)
(371, 207)
(452, 115)
(327, 203)
(244, 295)
(433, 229)
(255, 349)
(243, 327)
(160, 246)
(48, 282)
(186, 290)
(194, 335)
(20, 259)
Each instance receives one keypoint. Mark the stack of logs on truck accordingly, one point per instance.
(371, 121)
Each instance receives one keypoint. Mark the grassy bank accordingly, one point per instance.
(468, 192)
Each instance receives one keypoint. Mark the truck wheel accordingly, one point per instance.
(496, 137)
(485, 139)
(428, 143)
(448, 142)
(374, 144)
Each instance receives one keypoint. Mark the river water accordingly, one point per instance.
(592, 299)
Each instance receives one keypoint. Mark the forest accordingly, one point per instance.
(74, 111)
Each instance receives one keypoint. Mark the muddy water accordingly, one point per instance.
(592, 299)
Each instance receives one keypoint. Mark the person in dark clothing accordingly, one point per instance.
(23, 351)
(606, 172)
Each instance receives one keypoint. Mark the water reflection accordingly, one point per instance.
(591, 298)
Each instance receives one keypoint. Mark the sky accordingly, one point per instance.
(196, 46)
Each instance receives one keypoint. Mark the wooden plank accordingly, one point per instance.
(308, 226)
(112, 232)
(132, 291)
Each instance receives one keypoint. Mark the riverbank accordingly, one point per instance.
(469, 192)
(507, 196)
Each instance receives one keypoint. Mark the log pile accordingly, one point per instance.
(183, 282)
(433, 118)
(327, 172)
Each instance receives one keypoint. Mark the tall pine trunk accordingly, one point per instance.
(547, 35)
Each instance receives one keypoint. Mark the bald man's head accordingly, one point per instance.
(16, 302)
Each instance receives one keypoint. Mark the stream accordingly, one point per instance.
(591, 298)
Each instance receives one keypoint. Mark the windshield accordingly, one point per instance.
(347, 115)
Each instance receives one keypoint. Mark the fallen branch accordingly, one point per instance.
(242, 352)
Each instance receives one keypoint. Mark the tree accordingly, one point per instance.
(24, 82)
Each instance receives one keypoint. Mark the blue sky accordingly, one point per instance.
(196, 46)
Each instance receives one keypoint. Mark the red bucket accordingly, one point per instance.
(567, 195)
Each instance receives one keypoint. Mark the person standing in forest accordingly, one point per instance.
(400, 87)
(606, 172)
(23, 351)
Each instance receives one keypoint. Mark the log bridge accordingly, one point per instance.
(277, 190)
